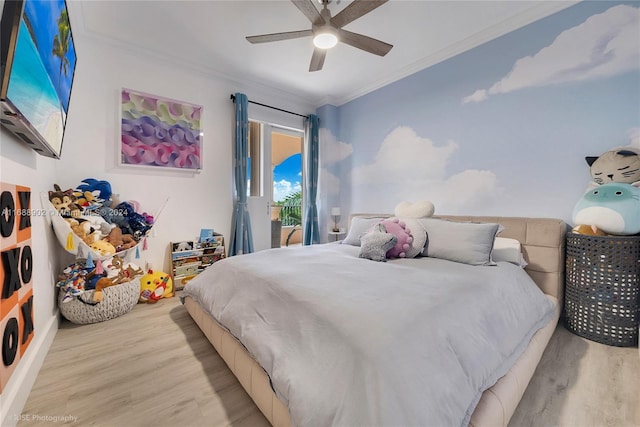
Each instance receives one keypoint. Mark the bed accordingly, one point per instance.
(347, 355)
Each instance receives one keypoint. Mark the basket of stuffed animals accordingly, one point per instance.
(91, 293)
(117, 300)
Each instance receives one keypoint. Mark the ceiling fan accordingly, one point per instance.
(327, 31)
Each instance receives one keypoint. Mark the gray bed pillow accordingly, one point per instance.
(359, 226)
(466, 242)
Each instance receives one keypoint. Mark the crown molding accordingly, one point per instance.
(238, 81)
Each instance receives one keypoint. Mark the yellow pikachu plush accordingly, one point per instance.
(155, 285)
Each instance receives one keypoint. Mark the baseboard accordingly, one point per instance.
(17, 392)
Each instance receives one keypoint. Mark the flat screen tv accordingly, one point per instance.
(38, 63)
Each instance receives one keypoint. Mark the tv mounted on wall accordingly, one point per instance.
(38, 61)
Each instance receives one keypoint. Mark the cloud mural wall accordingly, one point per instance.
(604, 45)
(410, 167)
(502, 129)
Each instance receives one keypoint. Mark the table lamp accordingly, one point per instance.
(335, 213)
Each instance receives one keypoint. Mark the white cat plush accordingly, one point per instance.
(618, 165)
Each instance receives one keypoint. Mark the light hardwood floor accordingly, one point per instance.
(153, 367)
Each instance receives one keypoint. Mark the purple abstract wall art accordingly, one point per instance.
(160, 132)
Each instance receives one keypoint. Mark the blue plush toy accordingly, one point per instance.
(614, 208)
(91, 185)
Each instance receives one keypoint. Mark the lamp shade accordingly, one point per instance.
(335, 211)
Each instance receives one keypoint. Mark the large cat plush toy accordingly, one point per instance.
(612, 201)
(613, 208)
(620, 165)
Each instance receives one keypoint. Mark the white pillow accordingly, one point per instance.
(359, 226)
(509, 250)
(422, 209)
(466, 242)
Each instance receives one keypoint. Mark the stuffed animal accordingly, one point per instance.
(98, 189)
(103, 248)
(120, 241)
(101, 284)
(614, 208)
(588, 230)
(119, 271)
(72, 281)
(375, 243)
(84, 230)
(422, 209)
(403, 237)
(619, 165)
(64, 202)
(88, 200)
(155, 285)
(409, 213)
(78, 278)
(136, 223)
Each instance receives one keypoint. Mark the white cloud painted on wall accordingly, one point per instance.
(409, 167)
(604, 45)
(332, 150)
(404, 155)
(328, 183)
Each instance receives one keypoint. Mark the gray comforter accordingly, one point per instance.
(351, 342)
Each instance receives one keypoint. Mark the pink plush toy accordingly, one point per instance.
(398, 229)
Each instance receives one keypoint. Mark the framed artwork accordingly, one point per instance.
(159, 132)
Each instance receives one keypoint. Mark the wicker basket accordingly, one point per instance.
(602, 281)
(117, 300)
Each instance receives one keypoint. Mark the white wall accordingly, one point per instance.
(22, 166)
(201, 200)
(196, 200)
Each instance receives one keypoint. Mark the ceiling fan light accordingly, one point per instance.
(325, 40)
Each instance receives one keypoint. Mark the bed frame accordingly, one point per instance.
(542, 241)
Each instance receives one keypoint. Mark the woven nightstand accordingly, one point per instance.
(602, 288)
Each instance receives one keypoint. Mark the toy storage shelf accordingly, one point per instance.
(190, 258)
(602, 288)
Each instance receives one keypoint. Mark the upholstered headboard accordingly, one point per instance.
(542, 241)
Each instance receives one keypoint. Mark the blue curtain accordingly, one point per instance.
(241, 241)
(312, 148)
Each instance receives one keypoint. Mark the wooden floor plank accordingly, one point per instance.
(154, 367)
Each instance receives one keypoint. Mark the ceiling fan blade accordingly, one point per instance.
(365, 43)
(309, 10)
(317, 59)
(264, 38)
(355, 10)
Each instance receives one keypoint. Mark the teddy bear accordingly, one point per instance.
(120, 241)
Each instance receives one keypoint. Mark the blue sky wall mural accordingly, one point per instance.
(502, 129)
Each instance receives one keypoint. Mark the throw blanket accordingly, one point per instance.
(351, 342)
